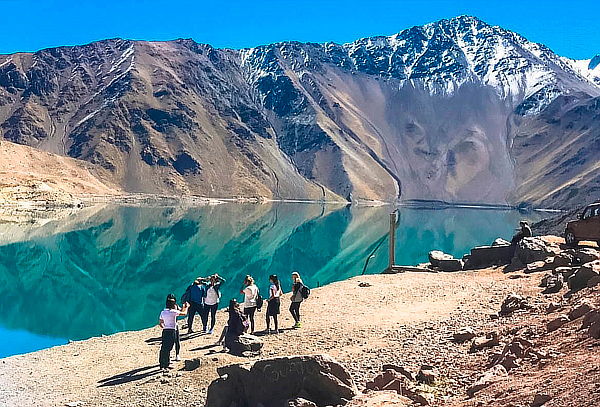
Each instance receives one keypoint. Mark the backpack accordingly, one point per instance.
(259, 301)
(305, 292)
(186, 295)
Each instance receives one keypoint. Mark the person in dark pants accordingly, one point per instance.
(250, 292)
(168, 322)
(236, 326)
(177, 337)
(296, 298)
(212, 296)
(273, 303)
(523, 232)
(196, 296)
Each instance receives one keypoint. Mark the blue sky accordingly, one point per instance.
(570, 28)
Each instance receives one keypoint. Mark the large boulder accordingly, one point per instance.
(585, 273)
(273, 382)
(532, 249)
(444, 262)
(487, 256)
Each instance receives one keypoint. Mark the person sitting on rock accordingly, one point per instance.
(168, 322)
(236, 326)
(524, 231)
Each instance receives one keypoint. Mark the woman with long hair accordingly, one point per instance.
(250, 292)
(211, 302)
(296, 298)
(168, 322)
(273, 302)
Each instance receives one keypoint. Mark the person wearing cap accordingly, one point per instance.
(168, 322)
(196, 299)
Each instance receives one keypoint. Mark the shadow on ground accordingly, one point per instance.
(130, 376)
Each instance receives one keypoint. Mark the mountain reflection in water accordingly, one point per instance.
(109, 269)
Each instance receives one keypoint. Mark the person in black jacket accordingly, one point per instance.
(236, 326)
(296, 298)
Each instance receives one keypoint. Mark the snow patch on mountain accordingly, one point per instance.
(587, 68)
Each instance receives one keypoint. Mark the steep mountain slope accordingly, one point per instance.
(442, 111)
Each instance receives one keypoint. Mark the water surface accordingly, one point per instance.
(109, 269)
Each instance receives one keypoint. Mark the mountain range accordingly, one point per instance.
(456, 110)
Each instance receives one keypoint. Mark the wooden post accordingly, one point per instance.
(392, 241)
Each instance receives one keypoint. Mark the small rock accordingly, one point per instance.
(192, 364)
(501, 242)
(364, 284)
(427, 374)
(490, 340)
(400, 369)
(464, 335)
(74, 404)
(540, 399)
(490, 377)
(512, 303)
(580, 311)
(554, 283)
(557, 323)
(300, 402)
(536, 266)
(553, 306)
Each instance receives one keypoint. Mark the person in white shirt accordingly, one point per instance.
(250, 292)
(211, 302)
(274, 302)
(168, 322)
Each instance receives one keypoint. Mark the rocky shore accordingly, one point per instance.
(486, 337)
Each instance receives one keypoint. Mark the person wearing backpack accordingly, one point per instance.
(299, 290)
(197, 292)
(212, 297)
(273, 302)
(251, 294)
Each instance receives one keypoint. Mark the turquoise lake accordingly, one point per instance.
(105, 270)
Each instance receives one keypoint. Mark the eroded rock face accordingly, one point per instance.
(274, 382)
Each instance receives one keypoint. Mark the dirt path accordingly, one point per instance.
(404, 318)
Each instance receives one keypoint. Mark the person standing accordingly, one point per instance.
(196, 297)
(297, 298)
(273, 302)
(177, 337)
(250, 292)
(168, 322)
(211, 302)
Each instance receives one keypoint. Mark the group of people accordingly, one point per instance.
(203, 297)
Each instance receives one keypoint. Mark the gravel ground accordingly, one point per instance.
(403, 319)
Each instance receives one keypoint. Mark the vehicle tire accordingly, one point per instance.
(570, 238)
